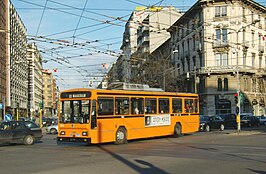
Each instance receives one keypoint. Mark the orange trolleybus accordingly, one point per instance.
(99, 116)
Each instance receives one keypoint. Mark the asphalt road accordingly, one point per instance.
(208, 153)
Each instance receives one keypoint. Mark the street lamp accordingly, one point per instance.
(164, 71)
(238, 106)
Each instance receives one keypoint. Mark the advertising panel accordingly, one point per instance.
(157, 120)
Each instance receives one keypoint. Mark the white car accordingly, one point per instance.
(53, 129)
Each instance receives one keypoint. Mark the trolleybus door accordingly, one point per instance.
(93, 115)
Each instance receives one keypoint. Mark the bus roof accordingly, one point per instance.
(108, 91)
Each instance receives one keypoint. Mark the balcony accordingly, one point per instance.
(220, 43)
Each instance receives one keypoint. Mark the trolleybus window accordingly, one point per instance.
(150, 105)
(106, 106)
(121, 106)
(164, 105)
(195, 106)
(75, 111)
(177, 105)
(137, 106)
(189, 105)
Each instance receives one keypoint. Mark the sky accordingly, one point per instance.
(76, 37)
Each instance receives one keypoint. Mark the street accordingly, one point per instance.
(201, 152)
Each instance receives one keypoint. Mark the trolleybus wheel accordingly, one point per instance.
(177, 130)
(121, 136)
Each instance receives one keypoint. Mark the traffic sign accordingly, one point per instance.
(1, 106)
(8, 117)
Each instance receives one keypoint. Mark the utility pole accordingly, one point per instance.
(238, 105)
(195, 80)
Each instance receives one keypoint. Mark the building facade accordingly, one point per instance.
(144, 32)
(17, 67)
(3, 54)
(35, 80)
(49, 93)
(220, 53)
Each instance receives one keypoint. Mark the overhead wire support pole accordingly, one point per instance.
(238, 89)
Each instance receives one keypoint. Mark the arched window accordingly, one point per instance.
(219, 85)
(225, 84)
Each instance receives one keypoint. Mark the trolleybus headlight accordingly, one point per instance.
(62, 133)
(84, 133)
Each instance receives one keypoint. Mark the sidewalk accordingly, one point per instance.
(247, 130)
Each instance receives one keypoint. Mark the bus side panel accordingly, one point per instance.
(189, 124)
(135, 127)
(105, 131)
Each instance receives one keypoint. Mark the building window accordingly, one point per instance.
(252, 38)
(260, 62)
(252, 17)
(245, 84)
(221, 36)
(219, 84)
(254, 85)
(194, 43)
(220, 11)
(244, 12)
(253, 59)
(225, 84)
(244, 58)
(221, 59)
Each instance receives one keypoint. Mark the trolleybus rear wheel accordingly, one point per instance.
(177, 130)
(121, 136)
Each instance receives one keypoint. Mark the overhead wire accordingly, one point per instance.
(41, 18)
(79, 19)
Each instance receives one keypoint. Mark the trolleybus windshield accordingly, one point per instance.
(75, 111)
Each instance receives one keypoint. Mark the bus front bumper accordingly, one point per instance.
(74, 139)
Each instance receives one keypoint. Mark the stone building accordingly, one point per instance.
(221, 47)
(49, 94)
(3, 54)
(17, 67)
(145, 31)
(35, 80)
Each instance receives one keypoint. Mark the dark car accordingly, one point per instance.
(229, 120)
(208, 123)
(25, 132)
(249, 121)
(262, 120)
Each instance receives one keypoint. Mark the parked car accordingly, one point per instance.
(229, 120)
(53, 129)
(262, 120)
(208, 123)
(25, 132)
(49, 121)
(249, 121)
